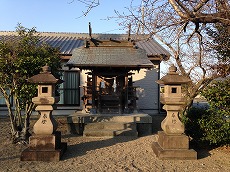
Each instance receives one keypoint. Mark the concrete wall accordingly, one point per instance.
(148, 92)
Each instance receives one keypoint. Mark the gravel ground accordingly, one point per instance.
(110, 155)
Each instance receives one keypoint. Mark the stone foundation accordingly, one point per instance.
(44, 148)
(174, 147)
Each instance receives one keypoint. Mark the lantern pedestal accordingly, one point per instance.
(46, 124)
(172, 124)
(44, 148)
(173, 147)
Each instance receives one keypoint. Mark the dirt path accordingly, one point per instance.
(114, 154)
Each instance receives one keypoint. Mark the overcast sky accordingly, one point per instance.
(60, 15)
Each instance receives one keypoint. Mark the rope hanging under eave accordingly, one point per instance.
(114, 84)
(102, 83)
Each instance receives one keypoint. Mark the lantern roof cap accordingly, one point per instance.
(44, 77)
(173, 77)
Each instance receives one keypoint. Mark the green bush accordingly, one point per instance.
(211, 126)
(216, 128)
(192, 124)
(207, 127)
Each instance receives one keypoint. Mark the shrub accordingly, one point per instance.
(207, 127)
(211, 125)
(192, 125)
(216, 129)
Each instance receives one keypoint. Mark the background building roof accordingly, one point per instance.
(67, 42)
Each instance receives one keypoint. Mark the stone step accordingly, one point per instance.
(110, 133)
(78, 123)
(110, 129)
(128, 118)
(109, 126)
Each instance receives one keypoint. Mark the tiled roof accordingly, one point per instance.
(109, 56)
(109, 53)
(152, 47)
(67, 42)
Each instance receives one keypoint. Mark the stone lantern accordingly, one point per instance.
(45, 144)
(45, 100)
(173, 101)
(172, 142)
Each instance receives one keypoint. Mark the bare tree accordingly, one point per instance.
(203, 11)
(181, 26)
(195, 11)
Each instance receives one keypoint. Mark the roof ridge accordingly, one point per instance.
(83, 35)
(8, 33)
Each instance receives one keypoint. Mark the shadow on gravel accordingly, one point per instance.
(9, 158)
(202, 151)
(82, 148)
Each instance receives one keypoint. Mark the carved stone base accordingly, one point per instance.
(44, 148)
(174, 147)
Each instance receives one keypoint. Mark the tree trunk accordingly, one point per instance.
(10, 112)
(12, 118)
(28, 112)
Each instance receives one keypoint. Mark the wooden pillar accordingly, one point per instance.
(99, 108)
(134, 99)
(126, 94)
(94, 83)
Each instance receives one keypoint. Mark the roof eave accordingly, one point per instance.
(89, 66)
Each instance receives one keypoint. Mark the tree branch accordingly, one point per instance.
(221, 16)
(178, 10)
(89, 5)
(200, 5)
